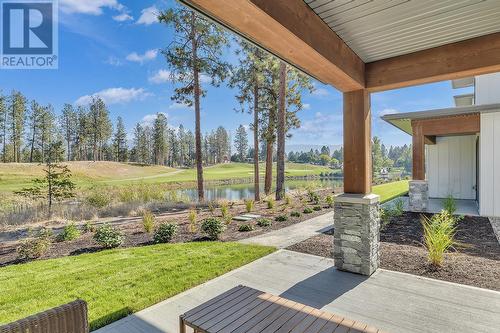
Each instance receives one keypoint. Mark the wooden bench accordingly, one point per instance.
(67, 318)
(244, 309)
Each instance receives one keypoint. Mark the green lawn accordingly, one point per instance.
(392, 190)
(117, 282)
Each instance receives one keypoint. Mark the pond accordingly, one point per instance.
(245, 191)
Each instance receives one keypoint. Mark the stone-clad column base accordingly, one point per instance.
(356, 236)
(418, 196)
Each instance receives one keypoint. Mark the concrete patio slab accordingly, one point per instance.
(392, 301)
(293, 234)
(464, 207)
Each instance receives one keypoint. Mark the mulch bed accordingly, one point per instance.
(475, 262)
(134, 233)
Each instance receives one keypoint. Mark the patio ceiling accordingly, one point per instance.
(382, 29)
(366, 44)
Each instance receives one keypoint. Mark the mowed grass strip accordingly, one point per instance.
(117, 282)
(392, 190)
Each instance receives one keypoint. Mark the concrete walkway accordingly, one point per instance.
(392, 301)
(464, 207)
(293, 234)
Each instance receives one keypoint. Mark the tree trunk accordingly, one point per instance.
(280, 160)
(256, 141)
(199, 157)
(269, 166)
(33, 141)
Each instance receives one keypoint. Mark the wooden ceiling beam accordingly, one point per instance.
(476, 56)
(451, 125)
(291, 30)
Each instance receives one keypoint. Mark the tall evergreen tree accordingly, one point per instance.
(69, 128)
(160, 139)
(280, 161)
(3, 126)
(241, 143)
(120, 141)
(17, 118)
(34, 120)
(196, 49)
(100, 127)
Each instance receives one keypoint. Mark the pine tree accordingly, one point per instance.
(160, 139)
(280, 163)
(47, 129)
(34, 119)
(69, 128)
(120, 142)
(100, 127)
(196, 49)
(17, 118)
(3, 126)
(241, 143)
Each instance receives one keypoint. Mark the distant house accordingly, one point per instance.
(456, 151)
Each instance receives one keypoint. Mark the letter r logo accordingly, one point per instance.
(27, 27)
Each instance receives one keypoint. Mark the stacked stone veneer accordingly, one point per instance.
(356, 236)
(419, 196)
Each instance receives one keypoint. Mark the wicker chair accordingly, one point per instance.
(67, 318)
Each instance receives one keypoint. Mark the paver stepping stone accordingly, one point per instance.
(242, 218)
(252, 216)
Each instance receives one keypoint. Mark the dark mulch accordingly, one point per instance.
(135, 235)
(475, 262)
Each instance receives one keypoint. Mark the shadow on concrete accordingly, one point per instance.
(323, 288)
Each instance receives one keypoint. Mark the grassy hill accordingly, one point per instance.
(14, 176)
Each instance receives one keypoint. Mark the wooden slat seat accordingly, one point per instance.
(247, 310)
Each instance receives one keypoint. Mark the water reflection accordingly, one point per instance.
(244, 191)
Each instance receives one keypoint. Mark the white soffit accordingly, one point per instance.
(380, 29)
(464, 100)
(463, 83)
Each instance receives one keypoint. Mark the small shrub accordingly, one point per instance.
(33, 248)
(44, 233)
(213, 227)
(288, 200)
(148, 221)
(385, 218)
(263, 222)
(281, 218)
(271, 203)
(224, 208)
(450, 205)
(211, 207)
(245, 228)
(88, 227)
(398, 208)
(317, 208)
(228, 219)
(108, 236)
(249, 203)
(439, 233)
(329, 200)
(69, 233)
(295, 214)
(165, 232)
(313, 197)
(98, 199)
(192, 215)
(307, 210)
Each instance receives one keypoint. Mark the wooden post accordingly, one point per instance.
(357, 142)
(182, 326)
(418, 145)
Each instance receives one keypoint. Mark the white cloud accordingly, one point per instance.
(179, 106)
(148, 16)
(113, 61)
(149, 119)
(91, 7)
(322, 128)
(321, 92)
(306, 106)
(115, 96)
(122, 17)
(141, 58)
(161, 76)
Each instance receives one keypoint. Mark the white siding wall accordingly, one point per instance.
(451, 167)
(489, 182)
(487, 89)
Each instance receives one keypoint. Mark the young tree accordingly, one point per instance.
(120, 141)
(196, 49)
(69, 128)
(56, 184)
(241, 143)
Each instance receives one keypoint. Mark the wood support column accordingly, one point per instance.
(418, 146)
(357, 142)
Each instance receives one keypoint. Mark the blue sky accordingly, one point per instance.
(111, 48)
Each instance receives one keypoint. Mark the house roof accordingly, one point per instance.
(403, 120)
(382, 29)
